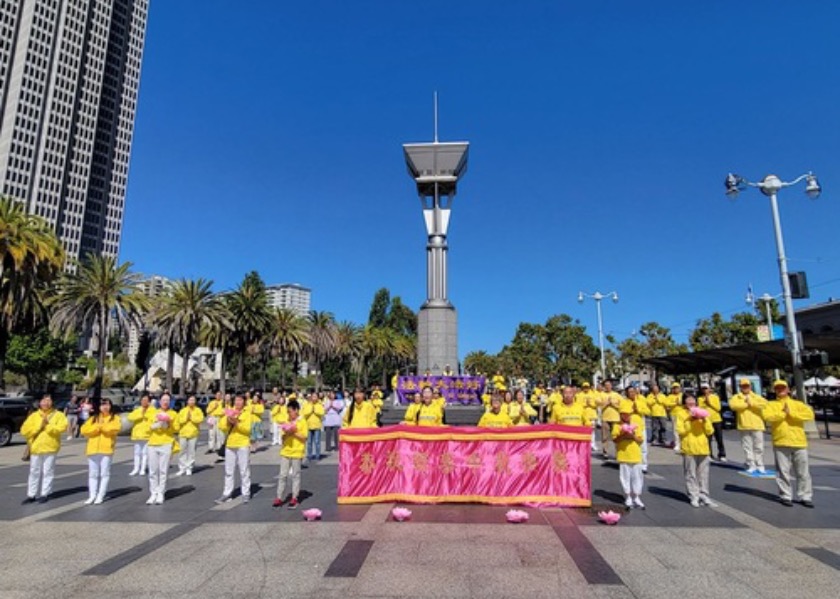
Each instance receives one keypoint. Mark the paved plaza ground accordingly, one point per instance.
(750, 546)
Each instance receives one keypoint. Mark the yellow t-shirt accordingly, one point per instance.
(788, 429)
(694, 434)
(571, 415)
(294, 448)
(313, 413)
(47, 440)
(629, 449)
(491, 420)
(364, 415)
(165, 433)
(521, 414)
(749, 417)
(430, 415)
(712, 404)
(189, 421)
(609, 406)
(142, 421)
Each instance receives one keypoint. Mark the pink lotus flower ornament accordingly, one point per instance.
(699, 413)
(288, 427)
(517, 516)
(628, 428)
(231, 413)
(609, 517)
(163, 417)
(400, 514)
(311, 514)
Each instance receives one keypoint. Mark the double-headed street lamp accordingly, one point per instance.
(770, 186)
(598, 296)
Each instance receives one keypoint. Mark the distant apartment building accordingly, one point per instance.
(152, 286)
(69, 75)
(290, 295)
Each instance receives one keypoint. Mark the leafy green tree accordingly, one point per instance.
(89, 298)
(30, 258)
(401, 318)
(716, 332)
(250, 318)
(481, 362)
(37, 356)
(378, 316)
(322, 332)
(289, 338)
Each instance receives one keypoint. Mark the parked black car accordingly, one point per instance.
(13, 411)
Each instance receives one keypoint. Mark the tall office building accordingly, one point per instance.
(290, 295)
(69, 73)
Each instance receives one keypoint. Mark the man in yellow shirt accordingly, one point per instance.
(43, 430)
(609, 403)
(787, 417)
(295, 435)
(499, 383)
(658, 415)
(313, 412)
(673, 403)
(496, 417)
(569, 411)
(640, 407)
(215, 439)
(749, 408)
(628, 434)
(711, 402)
(162, 438)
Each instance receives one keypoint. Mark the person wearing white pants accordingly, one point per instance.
(237, 423)
(164, 428)
(189, 422)
(101, 430)
(628, 434)
(215, 438)
(43, 430)
(749, 408)
(142, 417)
(279, 415)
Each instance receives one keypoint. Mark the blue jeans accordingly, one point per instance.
(313, 445)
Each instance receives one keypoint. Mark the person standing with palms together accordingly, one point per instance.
(101, 430)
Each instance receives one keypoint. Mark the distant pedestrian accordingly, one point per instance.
(787, 417)
(749, 408)
(215, 438)
(711, 402)
(72, 410)
(673, 402)
(43, 430)
(628, 434)
(333, 408)
(101, 430)
(694, 427)
(295, 436)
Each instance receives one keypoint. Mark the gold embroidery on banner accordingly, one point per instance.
(529, 462)
(447, 463)
(559, 461)
(368, 463)
(420, 459)
(393, 462)
(474, 461)
(502, 461)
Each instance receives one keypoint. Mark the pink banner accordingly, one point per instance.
(535, 465)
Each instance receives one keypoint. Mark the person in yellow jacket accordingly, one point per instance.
(609, 403)
(640, 407)
(141, 419)
(360, 413)
(499, 383)
(694, 429)
(711, 402)
(658, 415)
(42, 429)
(162, 438)
(377, 398)
(215, 439)
(279, 417)
(787, 417)
(520, 412)
(628, 434)
(313, 412)
(569, 411)
(189, 422)
(237, 423)
(295, 436)
(411, 411)
(589, 399)
(256, 406)
(496, 417)
(101, 430)
(430, 413)
(749, 408)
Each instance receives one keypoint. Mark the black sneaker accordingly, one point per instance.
(42, 499)
(807, 503)
(786, 502)
(28, 500)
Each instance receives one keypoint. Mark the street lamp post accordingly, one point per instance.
(598, 296)
(770, 186)
(766, 298)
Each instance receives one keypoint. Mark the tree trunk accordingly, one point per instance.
(282, 373)
(185, 363)
(101, 351)
(222, 386)
(170, 367)
(240, 368)
(4, 346)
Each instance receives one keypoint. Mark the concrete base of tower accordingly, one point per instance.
(437, 339)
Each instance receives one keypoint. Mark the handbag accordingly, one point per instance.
(27, 452)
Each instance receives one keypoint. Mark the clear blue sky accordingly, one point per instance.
(269, 138)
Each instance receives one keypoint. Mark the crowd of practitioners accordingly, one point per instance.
(628, 423)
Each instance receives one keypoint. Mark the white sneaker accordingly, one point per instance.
(638, 503)
(133, 473)
(159, 499)
(708, 502)
(89, 500)
(752, 470)
(179, 473)
(151, 499)
(695, 503)
(98, 500)
(629, 502)
(189, 472)
(762, 471)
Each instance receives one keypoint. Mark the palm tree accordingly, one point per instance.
(189, 308)
(348, 348)
(92, 297)
(30, 257)
(250, 317)
(321, 340)
(289, 337)
(377, 344)
(219, 336)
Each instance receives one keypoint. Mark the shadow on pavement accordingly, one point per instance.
(117, 493)
(669, 493)
(173, 493)
(68, 492)
(729, 488)
(609, 496)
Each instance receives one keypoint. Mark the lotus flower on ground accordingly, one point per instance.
(163, 417)
(628, 428)
(609, 517)
(517, 516)
(698, 412)
(311, 514)
(400, 514)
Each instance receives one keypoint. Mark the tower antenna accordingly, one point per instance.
(436, 117)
